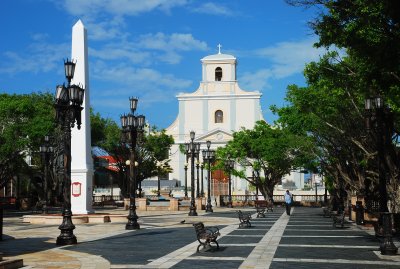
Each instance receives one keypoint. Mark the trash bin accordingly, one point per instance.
(359, 213)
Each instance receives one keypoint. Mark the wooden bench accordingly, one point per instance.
(39, 207)
(338, 219)
(244, 219)
(262, 206)
(206, 235)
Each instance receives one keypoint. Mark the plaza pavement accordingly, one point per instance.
(303, 240)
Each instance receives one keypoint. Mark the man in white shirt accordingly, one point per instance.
(288, 202)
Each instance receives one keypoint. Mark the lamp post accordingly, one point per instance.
(131, 126)
(193, 149)
(229, 165)
(46, 151)
(202, 189)
(187, 154)
(159, 166)
(379, 117)
(186, 168)
(256, 176)
(316, 192)
(198, 178)
(68, 105)
(208, 156)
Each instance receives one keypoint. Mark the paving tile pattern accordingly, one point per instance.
(305, 239)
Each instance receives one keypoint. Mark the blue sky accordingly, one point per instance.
(151, 49)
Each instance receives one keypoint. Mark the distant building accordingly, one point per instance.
(214, 111)
(293, 181)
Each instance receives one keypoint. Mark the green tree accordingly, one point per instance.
(24, 121)
(154, 154)
(270, 151)
(369, 32)
(151, 152)
(105, 132)
(158, 143)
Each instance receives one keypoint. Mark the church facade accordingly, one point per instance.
(214, 111)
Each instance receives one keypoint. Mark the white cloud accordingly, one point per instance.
(175, 41)
(39, 36)
(119, 7)
(39, 57)
(213, 9)
(150, 85)
(105, 30)
(169, 45)
(286, 59)
(145, 78)
(150, 48)
(289, 58)
(115, 52)
(256, 81)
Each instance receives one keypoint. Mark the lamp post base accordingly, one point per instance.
(67, 240)
(192, 211)
(387, 247)
(209, 208)
(132, 221)
(132, 226)
(66, 236)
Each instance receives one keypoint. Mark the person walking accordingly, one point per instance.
(288, 202)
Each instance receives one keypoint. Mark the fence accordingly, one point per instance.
(106, 200)
(301, 199)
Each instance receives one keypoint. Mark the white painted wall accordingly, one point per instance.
(196, 112)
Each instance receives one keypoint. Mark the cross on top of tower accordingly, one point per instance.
(219, 48)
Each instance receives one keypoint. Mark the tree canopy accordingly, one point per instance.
(270, 151)
(151, 152)
(331, 108)
(24, 121)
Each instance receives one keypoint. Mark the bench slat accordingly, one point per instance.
(244, 219)
(206, 235)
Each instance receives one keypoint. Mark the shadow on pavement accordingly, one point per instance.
(13, 247)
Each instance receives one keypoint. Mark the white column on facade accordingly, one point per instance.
(81, 156)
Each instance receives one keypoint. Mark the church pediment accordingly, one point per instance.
(216, 136)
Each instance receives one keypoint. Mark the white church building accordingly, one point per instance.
(214, 111)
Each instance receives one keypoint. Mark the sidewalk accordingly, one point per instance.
(303, 240)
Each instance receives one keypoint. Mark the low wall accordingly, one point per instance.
(143, 204)
(76, 219)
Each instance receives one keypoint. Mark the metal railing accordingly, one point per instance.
(276, 198)
(106, 199)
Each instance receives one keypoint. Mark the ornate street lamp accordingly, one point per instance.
(46, 151)
(131, 126)
(229, 165)
(68, 105)
(208, 155)
(256, 177)
(193, 149)
(198, 179)
(159, 166)
(379, 117)
(186, 168)
(202, 189)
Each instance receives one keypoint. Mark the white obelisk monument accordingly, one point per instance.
(81, 155)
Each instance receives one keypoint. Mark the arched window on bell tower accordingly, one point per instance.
(218, 74)
(219, 116)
